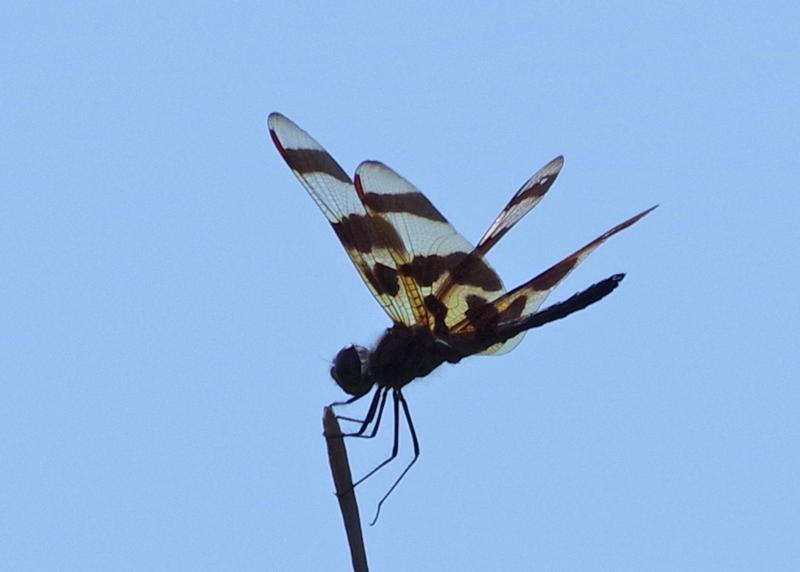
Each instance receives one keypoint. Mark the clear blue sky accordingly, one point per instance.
(171, 296)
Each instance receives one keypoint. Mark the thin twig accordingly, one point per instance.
(343, 481)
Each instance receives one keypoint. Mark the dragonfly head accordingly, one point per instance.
(350, 370)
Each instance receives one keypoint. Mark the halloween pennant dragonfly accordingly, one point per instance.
(444, 300)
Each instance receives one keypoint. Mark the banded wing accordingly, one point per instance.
(527, 197)
(451, 292)
(440, 269)
(433, 252)
(370, 242)
(421, 270)
(517, 308)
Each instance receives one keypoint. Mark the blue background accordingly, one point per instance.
(171, 298)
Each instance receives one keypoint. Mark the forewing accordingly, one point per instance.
(527, 197)
(485, 320)
(451, 291)
(368, 241)
(432, 250)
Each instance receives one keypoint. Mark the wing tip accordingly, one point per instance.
(651, 209)
(551, 169)
(371, 163)
(275, 122)
(272, 126)
(274, 118)
(629, 222)
(371, 167)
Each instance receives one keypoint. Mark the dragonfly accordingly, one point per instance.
(444, 300)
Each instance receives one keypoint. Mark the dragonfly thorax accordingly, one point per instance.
(405, 353)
